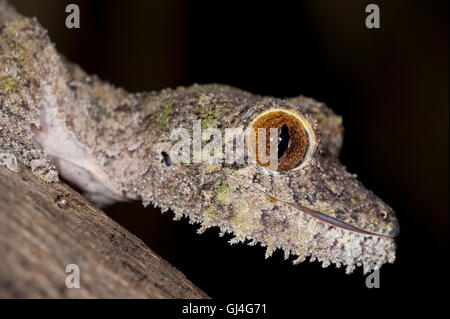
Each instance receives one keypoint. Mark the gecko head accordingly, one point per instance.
(302, 199)
(307, 203)
(305, 174)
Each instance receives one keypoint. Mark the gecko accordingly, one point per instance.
(113, 146)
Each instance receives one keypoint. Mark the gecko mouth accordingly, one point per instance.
(328, 219)
(335, 222)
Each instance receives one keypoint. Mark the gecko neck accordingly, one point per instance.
(74, 163)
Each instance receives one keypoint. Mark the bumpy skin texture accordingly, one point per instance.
(119, 138)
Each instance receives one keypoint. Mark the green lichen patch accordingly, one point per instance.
(164, 116)
(210, 117)
(209, 215)
(9, 84)
(224, 192)
(212, 168)
(244, 221)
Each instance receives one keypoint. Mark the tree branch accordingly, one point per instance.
(45, 227)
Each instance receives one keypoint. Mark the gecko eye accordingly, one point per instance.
(293, 139)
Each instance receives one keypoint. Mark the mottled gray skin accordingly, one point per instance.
(120, 137)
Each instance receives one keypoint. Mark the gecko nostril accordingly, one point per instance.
(166, 159)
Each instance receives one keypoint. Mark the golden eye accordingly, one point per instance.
(293, 137)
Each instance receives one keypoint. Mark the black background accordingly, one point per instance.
(389, 84)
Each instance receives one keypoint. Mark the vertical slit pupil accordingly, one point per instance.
(283, 140)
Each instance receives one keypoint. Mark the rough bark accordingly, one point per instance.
(44, 227)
